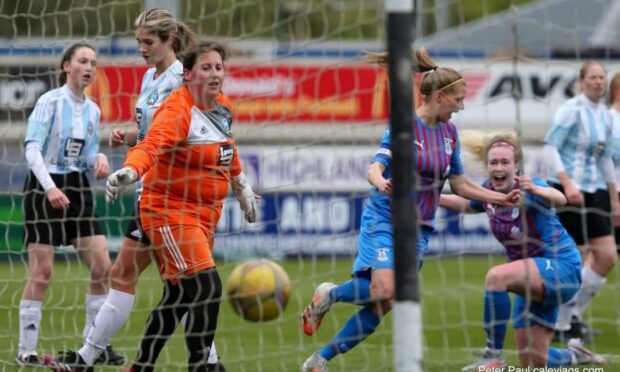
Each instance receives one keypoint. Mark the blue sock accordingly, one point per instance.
(496, 317)
(354, 291)
(559, 357)
(354, 331)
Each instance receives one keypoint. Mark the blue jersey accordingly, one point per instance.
(581, 131)
(546, 237)
(437, 157)
(67, 127)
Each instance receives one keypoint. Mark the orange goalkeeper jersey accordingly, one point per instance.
(186, 159)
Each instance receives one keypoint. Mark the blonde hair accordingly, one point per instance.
(160, 22)
(435, 78)
(480, 142)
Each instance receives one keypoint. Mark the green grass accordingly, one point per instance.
(452, 312)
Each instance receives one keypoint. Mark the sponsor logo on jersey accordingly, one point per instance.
(226, 154)
(73, 147)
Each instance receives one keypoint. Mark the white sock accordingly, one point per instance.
(567, 310)
(108, 322)
(29, 324)
(93, 304)
(590, 284)
(212, 355)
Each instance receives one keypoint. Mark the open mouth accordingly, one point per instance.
(499, 178)
(87, 76)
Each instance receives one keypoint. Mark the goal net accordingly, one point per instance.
(308, 117)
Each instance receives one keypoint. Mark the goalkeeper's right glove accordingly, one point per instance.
(248, 201)
(117, 181)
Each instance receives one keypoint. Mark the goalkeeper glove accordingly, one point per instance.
(117, 181)
(248, 201)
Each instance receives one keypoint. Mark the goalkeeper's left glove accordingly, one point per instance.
(117, 181)
(248, 201)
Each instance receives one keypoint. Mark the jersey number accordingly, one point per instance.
(73, 147)
(226, 154)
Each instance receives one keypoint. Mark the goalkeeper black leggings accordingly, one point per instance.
(198, 296)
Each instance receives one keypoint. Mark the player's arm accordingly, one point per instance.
(170, 127)
(456, 203)
(466, 188)
(120, 137)
(248, 200)
(549, 195)
(376, 179)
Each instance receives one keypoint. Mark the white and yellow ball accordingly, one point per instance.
(258, 290)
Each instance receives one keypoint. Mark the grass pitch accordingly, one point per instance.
(452, 290)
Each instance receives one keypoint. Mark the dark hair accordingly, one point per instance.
(435, 78)
(66, 57)
(160, 22)
(201, 47)
(613, 86)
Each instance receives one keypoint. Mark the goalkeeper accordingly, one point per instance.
(188, 159)
(544, 262)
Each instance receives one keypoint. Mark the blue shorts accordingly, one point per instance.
(376, 244)
(562, 278)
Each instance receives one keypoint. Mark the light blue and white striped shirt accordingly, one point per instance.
(67, 127)
(581, 131)
(154, 92)
(615, 130)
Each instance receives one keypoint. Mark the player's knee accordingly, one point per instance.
(532, 358)
(496, 279)
(100, 273)
(381, 290)
(123, 272)
(42, 276)
(209, 285)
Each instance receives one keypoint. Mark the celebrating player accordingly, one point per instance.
(543, 262)
(578, 149)
(437, 159)
(62, 144)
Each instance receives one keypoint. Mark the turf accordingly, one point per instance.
(452, 290)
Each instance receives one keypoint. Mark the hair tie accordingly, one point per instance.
(451, 84)
(501, 143)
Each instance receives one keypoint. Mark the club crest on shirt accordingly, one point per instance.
(152, 98)
(515, 213)
(516, 233)
(448, 143)
(382, 254)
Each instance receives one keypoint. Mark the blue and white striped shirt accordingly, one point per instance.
(154, 92)
(615, 133)
(67, 127)
(581, 131)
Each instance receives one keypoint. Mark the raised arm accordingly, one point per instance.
(456, 204)
(549, 195)
(464, 187)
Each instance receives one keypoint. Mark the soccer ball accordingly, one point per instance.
(258, 290)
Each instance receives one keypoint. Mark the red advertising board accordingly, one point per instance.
(284, 94)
